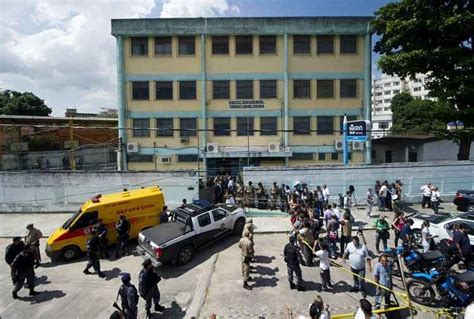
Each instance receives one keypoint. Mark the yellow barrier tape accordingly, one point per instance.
(379, 311)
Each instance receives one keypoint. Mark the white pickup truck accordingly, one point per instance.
(190, 228)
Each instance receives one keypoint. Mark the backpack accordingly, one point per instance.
(122, 293)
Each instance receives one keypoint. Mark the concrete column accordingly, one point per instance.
(203, 132)
(367, 88)
(285, 110)
(121, 102)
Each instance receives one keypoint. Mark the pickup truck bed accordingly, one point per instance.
(164, 232)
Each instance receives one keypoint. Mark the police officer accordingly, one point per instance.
(291, 253)
(250, 227)
(246, 249)
(11, 252)
(23, 267)
(93, 254)
(33, 239)
(249, 195)
(148, 287)
(123, 229)
(101, 230)
(129, 296)
(275, 193)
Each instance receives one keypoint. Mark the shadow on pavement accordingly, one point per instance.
(111, 274)
(45, 295)
(265, 271)
(42, 280)
(264, 259)
(341, 286)
(174, 312)
(312, 286)
(264, 282)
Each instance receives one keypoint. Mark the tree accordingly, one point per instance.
(398, 103)
(17, 103)
(433, 37)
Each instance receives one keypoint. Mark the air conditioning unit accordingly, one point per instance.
(338, 145)
(133, 147)
(357, 146)
(165, 159)
(212, 148)
(273, 147)
(184, 140)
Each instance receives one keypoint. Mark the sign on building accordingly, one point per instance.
(357, 131)
(246, 104)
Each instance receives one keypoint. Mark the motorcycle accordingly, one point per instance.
(455, 289)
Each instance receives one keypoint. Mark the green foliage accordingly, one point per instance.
(433, 37)
(17, 103)
(398, 102)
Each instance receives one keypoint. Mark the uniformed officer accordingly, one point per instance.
(246, 248)
(275, 193)
(250, 227)
(148, 287)
(32, 238)
(129, 296)
(101, 230)
(291, 253)
(11, 252)
(23, 267)
(249, 195)
(93, 254)
(123, 229)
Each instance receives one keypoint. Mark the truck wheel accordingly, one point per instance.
(185, 255)
(70, 253)
(470, 209)
(239, 226)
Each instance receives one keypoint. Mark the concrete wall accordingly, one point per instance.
(448, 176)
(25, 192)
(441, 151)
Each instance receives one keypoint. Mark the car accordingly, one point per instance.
(191, 227)
(442, 225)
(464, 200)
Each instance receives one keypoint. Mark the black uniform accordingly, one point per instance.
(23, 266)
(93, 254)
(148, 287)
(102, 234)
(291, 253)
(129, 296)
(123, 228)
(10, 253)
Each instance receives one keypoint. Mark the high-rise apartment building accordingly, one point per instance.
(240, 91)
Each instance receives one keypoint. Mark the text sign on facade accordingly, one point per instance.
(246, 104)
(357, 131)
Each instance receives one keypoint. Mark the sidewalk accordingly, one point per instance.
(266, 221)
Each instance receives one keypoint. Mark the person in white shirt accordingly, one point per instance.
(365, 310)
(230, 199)
(370, 201)
(317, 310)
(426, 189)
(324, 264)
(427, 236)
(383, 196)
(336, 211)
(326, 194)
(435, 197)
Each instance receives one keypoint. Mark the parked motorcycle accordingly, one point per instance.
(455, 289)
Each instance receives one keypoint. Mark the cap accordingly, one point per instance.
(125, 277)
(147, 262)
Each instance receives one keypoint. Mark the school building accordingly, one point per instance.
(240, 91)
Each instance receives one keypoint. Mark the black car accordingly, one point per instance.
(464, 200)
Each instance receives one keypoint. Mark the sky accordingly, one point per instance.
(62, 50)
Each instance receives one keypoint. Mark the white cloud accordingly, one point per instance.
(198, 8)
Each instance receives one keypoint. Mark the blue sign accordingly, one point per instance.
(357, 131)
(356, 138)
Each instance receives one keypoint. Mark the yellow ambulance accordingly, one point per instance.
(142, 207)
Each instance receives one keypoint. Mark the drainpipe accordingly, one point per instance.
(122, 132)
(285, 109)
(203, 130)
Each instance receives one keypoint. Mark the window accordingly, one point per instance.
(383, 125)
(412, 157)
(243, 44)
(164, 127)
(220, 89)
(204, 220)
(138, 158)
(87, 219)
(387, 101)
(163, 46)
(302, 89)
(141, 127)
(387, 84)
(341, 121)
(268, 89)
(186, 45)
(187, 90)
(268, 126)
(334, 156)
(139, 46)
(387, 92)
(325, 89)
(218, 214)
(267, 44)
(187, 158)
(140, 91)
(378, 94)
(220, 45)
(396, 83)
(321, 156)
(245, 89)
(388, 156)
(302, 125)
(396, 91)
(187, 127)
(348, 44)
(164, 90)
(325, 44)
(416, 89)
(222, 126)
(302, 156)
(325, 125)
(301, 44)
(244, 126)
(348, 88)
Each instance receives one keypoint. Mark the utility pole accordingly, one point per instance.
(345, 154)
(72, 161)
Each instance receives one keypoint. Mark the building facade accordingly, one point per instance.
(240, 91)
(383, 90)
